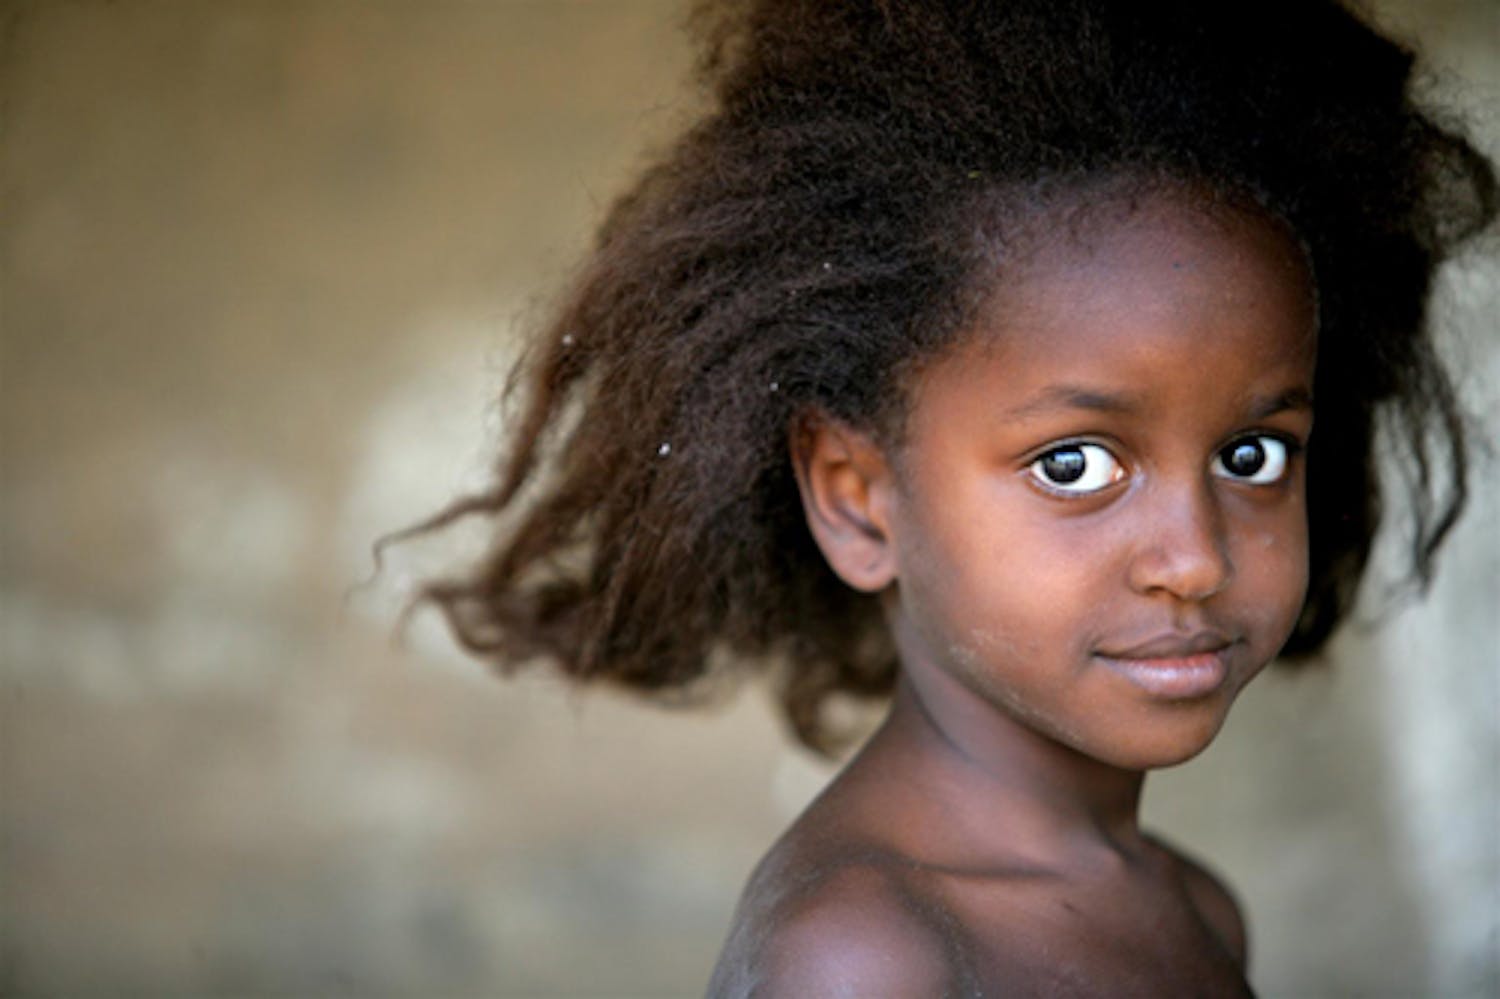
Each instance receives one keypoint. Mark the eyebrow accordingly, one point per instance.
(1074, 397)
(1055, 397)
(1297, 398)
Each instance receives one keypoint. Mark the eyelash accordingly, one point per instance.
(1276, 453)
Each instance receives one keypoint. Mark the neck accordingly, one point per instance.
(988, 779)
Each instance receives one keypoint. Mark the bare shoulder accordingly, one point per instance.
(858, 935)
(1214, 901)
(851, 928)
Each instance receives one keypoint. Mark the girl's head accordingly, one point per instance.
(878, 195)
(1095, 517)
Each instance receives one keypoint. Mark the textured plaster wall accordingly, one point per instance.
(260, 266)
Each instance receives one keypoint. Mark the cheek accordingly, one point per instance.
(1001, 595)
(1273, 570)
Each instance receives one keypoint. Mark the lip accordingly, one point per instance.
(1174, 666)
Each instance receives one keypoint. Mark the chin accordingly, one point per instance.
(1168, 745)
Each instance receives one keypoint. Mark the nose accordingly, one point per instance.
(1182, 547)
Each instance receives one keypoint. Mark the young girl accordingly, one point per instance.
(971, 353)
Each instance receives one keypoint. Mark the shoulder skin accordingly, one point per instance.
(853, 931)
(1218, 907)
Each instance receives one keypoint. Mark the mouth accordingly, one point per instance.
(1175, 666)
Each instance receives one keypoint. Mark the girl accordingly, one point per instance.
(970, 353)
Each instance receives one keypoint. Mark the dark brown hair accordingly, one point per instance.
(817, 233)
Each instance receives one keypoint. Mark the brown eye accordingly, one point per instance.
(1244, 459)
(1064, 466)
(1259, 460)
(1076, 469)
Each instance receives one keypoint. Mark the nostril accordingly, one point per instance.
(1193, 579)
(1185, 553)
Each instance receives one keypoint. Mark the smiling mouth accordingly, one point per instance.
(1173, 667)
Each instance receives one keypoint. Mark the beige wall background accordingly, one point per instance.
(260, 267)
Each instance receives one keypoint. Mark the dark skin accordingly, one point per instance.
(1093, 536)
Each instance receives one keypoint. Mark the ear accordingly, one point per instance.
(847, 486)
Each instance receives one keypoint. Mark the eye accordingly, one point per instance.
(1076, 469)
(1259, 460)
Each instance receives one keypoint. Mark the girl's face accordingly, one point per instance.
(1098, 522)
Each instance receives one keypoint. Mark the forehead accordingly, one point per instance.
(1168, 296)
(1166, 253)
(1175, 318)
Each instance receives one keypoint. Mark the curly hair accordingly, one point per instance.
(817, 234)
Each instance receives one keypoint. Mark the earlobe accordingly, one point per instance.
(846, 485)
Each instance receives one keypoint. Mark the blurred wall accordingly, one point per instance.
(260, 264)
